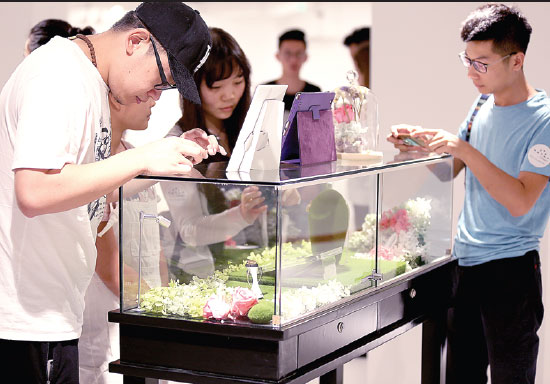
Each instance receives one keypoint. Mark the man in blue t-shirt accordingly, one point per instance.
(504, 145)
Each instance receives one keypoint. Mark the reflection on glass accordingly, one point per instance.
(276, 253)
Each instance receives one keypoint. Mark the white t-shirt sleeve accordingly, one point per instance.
(50, 130)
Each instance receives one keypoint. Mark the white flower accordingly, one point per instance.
(232, 194)
(296, 302)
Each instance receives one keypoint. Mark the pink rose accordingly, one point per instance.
(344, 114)
(243, 300)
(402, 223)
(398, 221)
(216, 308)
(383, 252)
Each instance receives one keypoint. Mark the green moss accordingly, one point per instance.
(261, 313)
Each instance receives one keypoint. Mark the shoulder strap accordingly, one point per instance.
(482, 99)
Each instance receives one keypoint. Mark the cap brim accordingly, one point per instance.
(184, 81)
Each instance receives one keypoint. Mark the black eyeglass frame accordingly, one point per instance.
(478, 64)
(165, 85)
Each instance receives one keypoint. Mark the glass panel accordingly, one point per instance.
(415, 217)
(324, 255)
(190, 242)
(292, 173)
(267, 255)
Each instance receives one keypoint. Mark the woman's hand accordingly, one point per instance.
(208, 142)
(291, 197)
(251, 197)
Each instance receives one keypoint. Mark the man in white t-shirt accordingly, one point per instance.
(56, 172)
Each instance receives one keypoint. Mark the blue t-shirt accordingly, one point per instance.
(514, 138)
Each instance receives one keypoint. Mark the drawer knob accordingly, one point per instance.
(412, 293)
(340, 327)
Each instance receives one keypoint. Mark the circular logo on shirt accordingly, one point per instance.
(539, 155)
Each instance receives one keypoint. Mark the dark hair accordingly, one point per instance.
(362, 61)
(225, 57)
(505, 26)
(45, 30)
(293, 34)
(357, 36)
(130, 21)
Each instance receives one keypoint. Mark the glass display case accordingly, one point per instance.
(269, 248)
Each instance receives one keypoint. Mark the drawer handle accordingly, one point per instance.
(340, 327)
(412, 293)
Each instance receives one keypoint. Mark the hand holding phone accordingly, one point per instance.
(411, 141)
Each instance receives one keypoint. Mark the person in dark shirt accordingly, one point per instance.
(292, 55)
(358, 43)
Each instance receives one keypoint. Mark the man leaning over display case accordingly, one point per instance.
(504, 147)
(57, 174)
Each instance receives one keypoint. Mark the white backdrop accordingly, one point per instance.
(416, 75)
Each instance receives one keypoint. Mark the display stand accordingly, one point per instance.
(297, 353)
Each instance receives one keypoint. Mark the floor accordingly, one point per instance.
(354, 372)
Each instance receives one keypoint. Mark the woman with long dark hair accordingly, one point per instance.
(202, 216)
(224, 86)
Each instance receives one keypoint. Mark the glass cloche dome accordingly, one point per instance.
(355, 115)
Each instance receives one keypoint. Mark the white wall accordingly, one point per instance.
(418, 79)
(256, 26)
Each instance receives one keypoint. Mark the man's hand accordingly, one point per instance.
(442, 141)
(399, 132)
(171, 156)
(207, 142)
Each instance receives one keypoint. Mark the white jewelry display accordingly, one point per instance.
(252, 269)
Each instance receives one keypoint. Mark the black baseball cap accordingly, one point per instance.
(185, 37)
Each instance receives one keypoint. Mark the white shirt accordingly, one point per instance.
(53, 111)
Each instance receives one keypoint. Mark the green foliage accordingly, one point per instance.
(262, 312)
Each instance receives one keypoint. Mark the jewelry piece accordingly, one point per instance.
(90, 47)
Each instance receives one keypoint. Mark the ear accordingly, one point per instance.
(137, 39)
(113, 103)
(305, 57)
(278, 56)
(27, 50)
(517, 61)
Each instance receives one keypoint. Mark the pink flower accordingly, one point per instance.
(230, 242)
(344, 114)
(397, 221)
(402, 223)
(243, 300)
(383, 252)
(216, 308)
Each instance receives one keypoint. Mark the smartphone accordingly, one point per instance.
(412, 141)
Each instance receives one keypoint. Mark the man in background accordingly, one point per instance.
(358, 43)
(292, 55)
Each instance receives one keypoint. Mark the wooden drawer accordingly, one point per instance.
(325, 339)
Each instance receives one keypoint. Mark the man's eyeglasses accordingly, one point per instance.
(478, 65)
(289, 55)
(165, 84)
